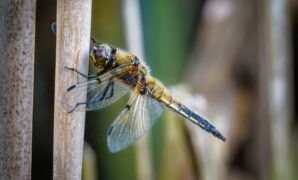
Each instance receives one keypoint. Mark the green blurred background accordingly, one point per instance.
(215, 49)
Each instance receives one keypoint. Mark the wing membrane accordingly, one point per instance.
(98, 95)
(133, 122)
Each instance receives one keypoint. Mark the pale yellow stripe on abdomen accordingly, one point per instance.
(160, 93)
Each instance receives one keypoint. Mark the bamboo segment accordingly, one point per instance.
(72, 50)
(17, 38)
(280, 98)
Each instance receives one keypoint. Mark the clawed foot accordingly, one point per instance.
(78, 72)
(71, 69)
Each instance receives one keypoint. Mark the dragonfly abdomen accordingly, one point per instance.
(194, 117)
(160, 93)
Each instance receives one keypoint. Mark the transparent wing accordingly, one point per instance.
(133, 122)
(98, 95)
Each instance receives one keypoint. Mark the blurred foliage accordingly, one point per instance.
(168, 30)
(168, 26)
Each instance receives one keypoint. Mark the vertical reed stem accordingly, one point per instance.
(17, 38)
(280, 87)
(72, 50)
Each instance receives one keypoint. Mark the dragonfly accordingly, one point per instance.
(120, 73)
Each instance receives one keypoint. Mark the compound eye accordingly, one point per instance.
(93, 51)
(101, 52)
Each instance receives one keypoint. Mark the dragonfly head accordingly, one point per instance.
(100, 55)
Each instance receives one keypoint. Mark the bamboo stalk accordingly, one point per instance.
(262, 110)
(134, 41)
(89, 163)
(72, 50)
(17, 37)
(279, 86)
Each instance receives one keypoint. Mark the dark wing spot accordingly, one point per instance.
(128, 107)
(110, 130)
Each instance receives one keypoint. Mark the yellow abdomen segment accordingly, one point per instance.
(160, 93)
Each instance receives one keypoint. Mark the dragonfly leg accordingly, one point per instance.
(89, 76)
(114, 73)
(95, 41)
(102, 75)
(78, 104)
